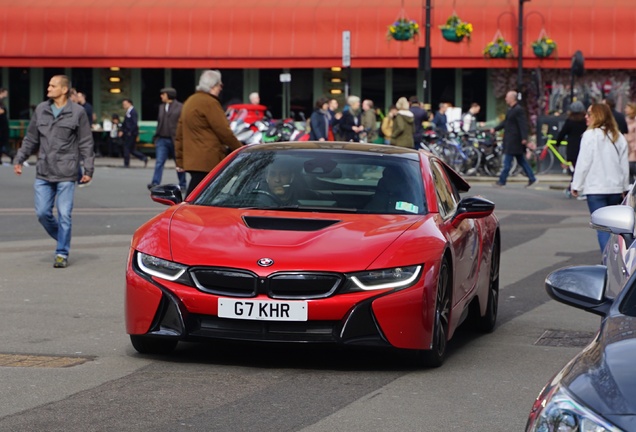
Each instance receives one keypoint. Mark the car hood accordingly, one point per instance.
(602, 376)
(293, 240)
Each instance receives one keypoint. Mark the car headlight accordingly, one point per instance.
(397, 277)
(160, 267)
(556, 410)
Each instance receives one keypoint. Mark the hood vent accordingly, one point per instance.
(287, 224)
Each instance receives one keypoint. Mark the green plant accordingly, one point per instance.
(462, 29)
(403, 29)
(544, 46)
(498, 48)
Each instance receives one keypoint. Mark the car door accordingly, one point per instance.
(464, 238)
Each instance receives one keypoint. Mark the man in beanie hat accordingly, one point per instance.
(169, 112)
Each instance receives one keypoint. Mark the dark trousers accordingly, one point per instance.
(523, 163)
(195, 179)
(130, 143)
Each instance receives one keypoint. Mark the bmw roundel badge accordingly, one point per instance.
(265, 262)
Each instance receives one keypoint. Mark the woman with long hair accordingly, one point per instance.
(630, 136)
(602, 168)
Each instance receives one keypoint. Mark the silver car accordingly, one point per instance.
(596, 390)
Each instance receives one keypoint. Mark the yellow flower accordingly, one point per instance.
(469, 27)
(550, 41)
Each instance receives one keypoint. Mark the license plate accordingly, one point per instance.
(263, 310)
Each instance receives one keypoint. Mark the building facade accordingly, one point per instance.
(132, 48)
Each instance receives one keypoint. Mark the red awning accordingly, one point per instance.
(301, 34)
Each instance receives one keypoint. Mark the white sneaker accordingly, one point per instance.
(26, 164)
(581, 198)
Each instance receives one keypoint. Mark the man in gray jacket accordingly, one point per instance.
(61, 134)
(169, 112)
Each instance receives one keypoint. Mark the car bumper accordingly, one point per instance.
(374, 318)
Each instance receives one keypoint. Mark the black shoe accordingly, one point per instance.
(533, 182)
(145, 162)
(151, 185)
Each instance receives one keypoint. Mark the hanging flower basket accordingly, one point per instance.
(498, 48)
(455, 30)
(543, 47)
(403, 30)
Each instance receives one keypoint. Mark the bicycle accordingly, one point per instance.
(542, 158)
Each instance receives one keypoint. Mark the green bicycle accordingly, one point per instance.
(542, 158)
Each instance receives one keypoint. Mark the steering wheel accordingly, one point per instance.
(273, 198)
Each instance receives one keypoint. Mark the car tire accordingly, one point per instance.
(486, 323)
(437, 354)
(153, 345)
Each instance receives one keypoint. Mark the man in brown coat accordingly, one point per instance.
(204, 136)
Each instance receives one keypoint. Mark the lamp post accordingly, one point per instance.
(427, 55)
(520, 50)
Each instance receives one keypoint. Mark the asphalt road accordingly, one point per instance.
(487, 384)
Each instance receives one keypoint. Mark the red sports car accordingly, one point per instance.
(345, 243)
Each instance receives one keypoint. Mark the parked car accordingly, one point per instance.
(317, 242)
(596, 390)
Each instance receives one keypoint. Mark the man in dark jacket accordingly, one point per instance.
(515, 141)
(169, 113)
(420, 115)
(129, 132)
(618, 116)
(61, 131)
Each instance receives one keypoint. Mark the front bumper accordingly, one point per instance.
(379, 319)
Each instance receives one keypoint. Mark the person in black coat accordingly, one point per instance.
(618, 116)
(515, 141)
(572, 131)
(129, 132)
(351, 123)
(319, 121)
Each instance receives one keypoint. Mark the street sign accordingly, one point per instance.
(285, 77)
(346, 48)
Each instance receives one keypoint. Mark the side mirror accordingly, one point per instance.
(473, 208)
(166, 194)
(580, 286)
(616, 220)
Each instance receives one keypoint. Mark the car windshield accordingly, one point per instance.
(318, 180)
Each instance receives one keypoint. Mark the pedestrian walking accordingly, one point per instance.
(167, 120)
(60, 129)
(420, 115)
(572, 131)
(369, 121)
(630, 136)
(319, 121)
(203, 136)
(350, 123)
(4, 128)
(129, 131)
(515, 140)
(618, 116)
(387, 124)
(602, 167)
(403, 125)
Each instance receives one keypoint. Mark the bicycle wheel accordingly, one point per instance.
(472, 161)
(544, 159)
(493, 164)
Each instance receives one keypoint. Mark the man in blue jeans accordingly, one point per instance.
(515, 140)
(169, 112)
(61, 131)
